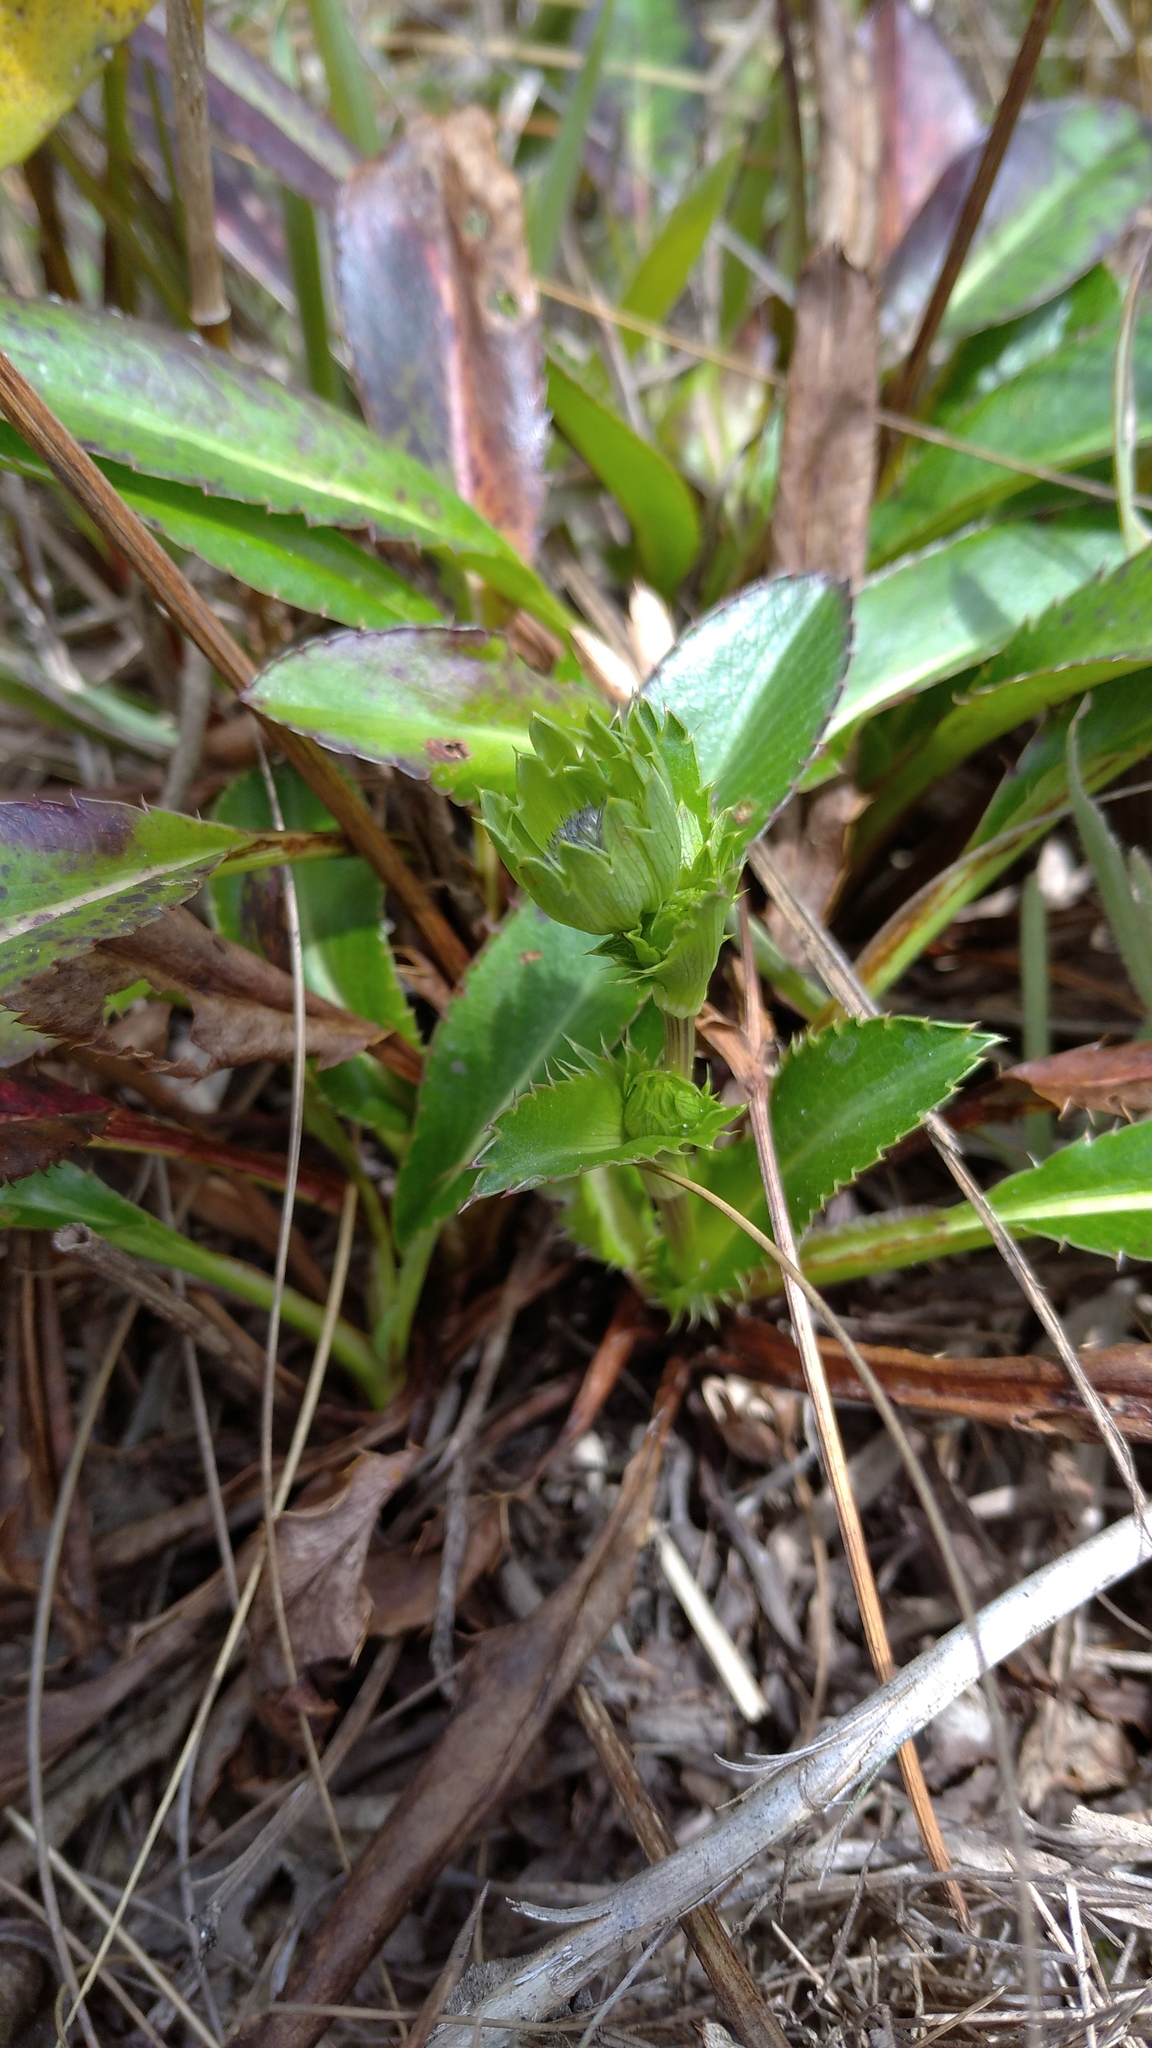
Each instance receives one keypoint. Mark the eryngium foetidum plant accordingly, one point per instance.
(612, 831)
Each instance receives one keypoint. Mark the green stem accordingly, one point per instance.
(308, 280)
(119, 276)
(349, 93)
(675, 1212)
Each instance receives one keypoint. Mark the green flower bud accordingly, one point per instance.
(612, 831)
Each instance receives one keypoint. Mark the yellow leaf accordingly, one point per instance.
(49, 51)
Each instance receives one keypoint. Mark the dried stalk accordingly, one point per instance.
(848, 990)
(740, 1999)
(801, 1788)
(755, 1080)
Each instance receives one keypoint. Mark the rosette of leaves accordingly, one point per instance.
(615, 1110)
(613, 831)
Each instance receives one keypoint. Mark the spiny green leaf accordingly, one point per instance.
(613, 1113)
(449, 703)
(536, 991)
(1096, 1194)
(72, 873)
(842, 1099)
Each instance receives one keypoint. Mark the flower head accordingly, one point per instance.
(613, 831)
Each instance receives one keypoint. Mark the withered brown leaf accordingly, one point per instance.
(241, 1005)
(321, 1547)
(441, 317)
(1115, 1079)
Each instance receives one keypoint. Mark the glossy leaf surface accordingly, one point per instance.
(755, 684)
(72, 873)
(954, 605)
(1057, 412)
(1114, 732)
(447, 703)
(536, 992)
(653, 496)
(1096, 1194)
(1100, 631)
(169, 406)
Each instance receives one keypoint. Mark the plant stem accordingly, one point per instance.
(679, 1044)
(675, 1214)
(119, 278)
(1034, 1002)
(208, 301)
(349, 93)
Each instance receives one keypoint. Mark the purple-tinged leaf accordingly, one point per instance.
(440, 314)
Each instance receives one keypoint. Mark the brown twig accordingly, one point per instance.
(755, 1080)
(68, 461)
(740, 1999)
(1015, 93)
(208, 300)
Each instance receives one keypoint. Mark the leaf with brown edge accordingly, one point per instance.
(440, 313)
(509, 1687)
(42, 1121)
(321, 1548)
(1113, 1079)
(241, 1005)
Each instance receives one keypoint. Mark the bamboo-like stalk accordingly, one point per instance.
(208, 301)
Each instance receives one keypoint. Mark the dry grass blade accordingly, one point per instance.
(510, 1685)
(754, 1077)
(799, 1788)
(740, 1999)
(838, 976)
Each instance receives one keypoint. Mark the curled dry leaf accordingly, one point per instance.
(321, 1547)
(1115, 1079)
(241, 1005)
(441, 317)
(42, 1121)
(1066, 1749)
(510, 1686)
